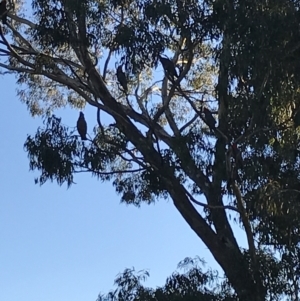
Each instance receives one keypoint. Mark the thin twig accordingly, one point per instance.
(192, 199)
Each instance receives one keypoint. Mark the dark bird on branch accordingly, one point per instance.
(3, 12)
(210, 120)
(169, 67)
(122, 78)
(237, 155)
(82, 126)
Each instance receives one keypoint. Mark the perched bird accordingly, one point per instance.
(122, 78)
(168, 66)
(82, 126)
(237, 155)
(210, 120)
(3, 11)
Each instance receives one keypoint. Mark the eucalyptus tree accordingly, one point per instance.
(192, 284)
(217, 131)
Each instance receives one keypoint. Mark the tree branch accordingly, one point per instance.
(192, 199)
(22, 20)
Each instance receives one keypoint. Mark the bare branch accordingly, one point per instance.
(192, 199)
(189, 123)
(106, 64)
(17, 69)
(5, 52)
(139, 99)
(99, 121)
(22, 20)
(13, 52)
(76, 75)
(247, 225)
(17, 34)
(102, 173)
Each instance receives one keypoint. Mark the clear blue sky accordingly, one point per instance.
(69, 244)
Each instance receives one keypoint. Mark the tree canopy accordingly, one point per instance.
(220, 123)
(193, 284)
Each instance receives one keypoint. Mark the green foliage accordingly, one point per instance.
(53, 155)
(237, 58)
(192, 285)
(59, 154)
(53, 19)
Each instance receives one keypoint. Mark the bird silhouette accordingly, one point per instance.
(169, 67)
(82, 126)
(210, 120)
(122, 78)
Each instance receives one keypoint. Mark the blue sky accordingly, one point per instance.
(69, 244)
